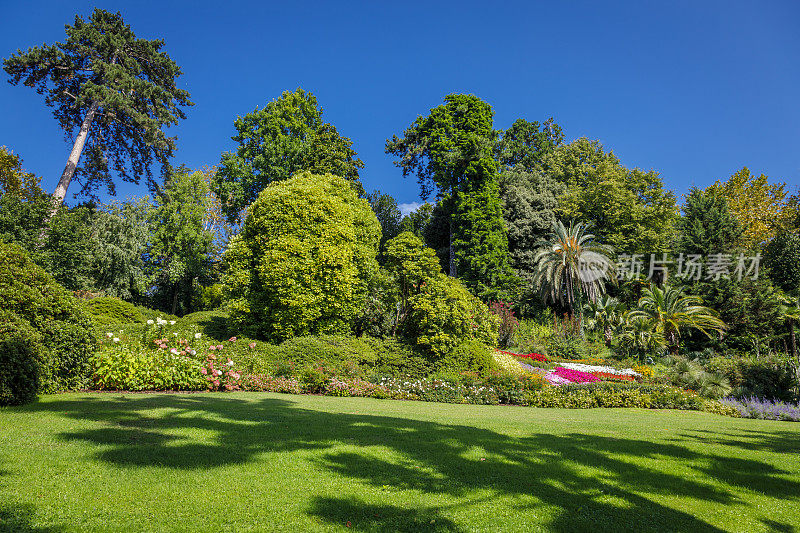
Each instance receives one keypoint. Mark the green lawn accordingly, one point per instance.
(267, 462)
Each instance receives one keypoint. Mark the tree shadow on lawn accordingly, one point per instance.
(16, 518)
(583, 481)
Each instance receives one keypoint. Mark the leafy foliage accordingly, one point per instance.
(436, 312)
(758, 205)
(303, 260)
(67, 333)
(285, 137)
(525, 144)
(107, 311)
(530, 201)
(182, 244)
(20, 360)
(782, 260)
(628, 208)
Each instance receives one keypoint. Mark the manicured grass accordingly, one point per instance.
(268, 462)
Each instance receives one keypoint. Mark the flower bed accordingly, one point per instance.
(573, 376)
(765, 409)
(598, 368)
(534, 356)
(606, 376)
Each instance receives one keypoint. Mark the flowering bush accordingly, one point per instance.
(264, 383)
(220, 376)
(765, 409)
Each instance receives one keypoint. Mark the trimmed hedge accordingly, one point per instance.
(107, 311)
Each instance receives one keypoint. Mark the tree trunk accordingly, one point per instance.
(74, 157)
(793, 343)
(451, 253)
(175, 299)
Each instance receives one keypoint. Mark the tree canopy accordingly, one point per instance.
(629, 209)
(275, 142)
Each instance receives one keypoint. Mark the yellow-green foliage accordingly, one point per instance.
(303, 259)
(508, 363)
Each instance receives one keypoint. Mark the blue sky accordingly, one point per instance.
(694, 90)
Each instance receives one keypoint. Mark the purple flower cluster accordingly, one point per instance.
(753, 407)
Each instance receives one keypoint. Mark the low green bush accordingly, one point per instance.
(610, 394)
(470, 356)
(109, 311)
(131, 368)
(20, 360)
(767, 377)
(68, 335)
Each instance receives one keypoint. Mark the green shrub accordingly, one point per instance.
(133, 368)
(567, 347)
(108, 311)
(20, 360)
(609, 394)
(767, 377)
(470, 356)
(444, 315)
(67, 333)
(303, 260)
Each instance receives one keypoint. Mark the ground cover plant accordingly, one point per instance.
(256, 461)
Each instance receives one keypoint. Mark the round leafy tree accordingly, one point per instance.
(435, 312)
(67, 333)
(302, 262)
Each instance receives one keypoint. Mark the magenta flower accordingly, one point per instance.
(232, 339)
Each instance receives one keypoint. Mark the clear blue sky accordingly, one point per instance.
(694, 90)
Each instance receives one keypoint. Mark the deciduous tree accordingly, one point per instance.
(275, 142)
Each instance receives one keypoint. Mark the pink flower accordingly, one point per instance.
(212, 347)
(232, 339)
(216, 383)
(162, 346)
(252, 345)
(203, 371)
(219, 346)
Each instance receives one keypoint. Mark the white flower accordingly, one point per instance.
(116, 339)
(171, 322)
(109, 335)
(149, 322)
(230, 363)
(175, 333)
(192, 352)
(173, 351)
(198, 335)
(219, 372)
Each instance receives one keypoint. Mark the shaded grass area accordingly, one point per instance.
(262, 462)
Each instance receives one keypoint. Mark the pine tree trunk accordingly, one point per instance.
(74, 157)
(793, 340)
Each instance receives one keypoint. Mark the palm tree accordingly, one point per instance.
(570, 264)
(604, 315)
(639, 337)
(669, 310)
